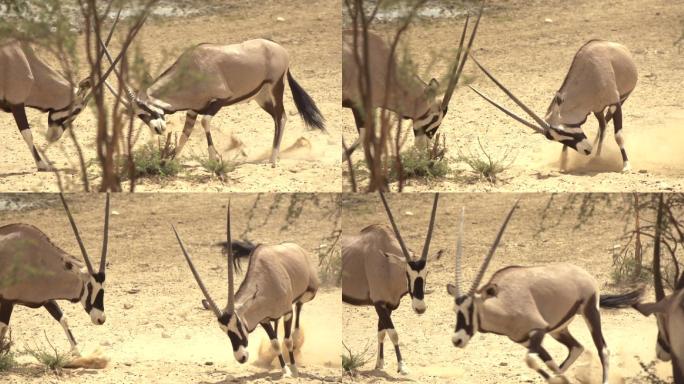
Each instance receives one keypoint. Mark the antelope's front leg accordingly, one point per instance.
(273, 337)
(190, 119)
(57, 314)
(564, 159)
(289, 345)
(5, 314)
(19, 113)
(385, 325)
(536, 351)
(617, 124)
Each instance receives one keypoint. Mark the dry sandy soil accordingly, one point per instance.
(156, 329)
(530, 239)
(531, 56)
(310, 33)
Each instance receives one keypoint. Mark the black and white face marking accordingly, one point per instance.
(151, 115)
(416, 275)
(238, 335)
(466, 321)
(427, 124)
(93, 298)
(58, 121)
(573, 137)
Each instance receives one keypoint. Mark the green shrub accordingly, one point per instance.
(218, 167)
(51, 358)
(7, 360)
(352, 361)
(150, 161)
(486, 166)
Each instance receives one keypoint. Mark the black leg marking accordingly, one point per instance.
(210, 142)
(288, 338)
(190, 119)
(56, 312)
(385, 324)
(535, 348)
(298, 311)
(274, 341)
(19, 113)
(602, 130)
(574, 347)
(5, 311)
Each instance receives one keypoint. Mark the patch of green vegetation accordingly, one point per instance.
(486, 166)
(352, 361)
(51, 358)
(151, 161)
(7, 360)
(218, 167)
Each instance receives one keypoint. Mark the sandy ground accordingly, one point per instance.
(425, 340)
(156, 330)
(310, 33)
(531, 57)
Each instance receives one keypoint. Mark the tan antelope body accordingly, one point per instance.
(27, 81)
(527, 303)
(378, 270)
(208, 77)
(35, 273)
(395, 88)
(278, 277)
(601, 77)
(669, 312)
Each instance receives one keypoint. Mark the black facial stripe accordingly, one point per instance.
(99, 277)
(419, 288)
(425, 126)
(147, 109)
(417, 265)
(461, 321)
(234, 340)
(99, 300)
(89, 291)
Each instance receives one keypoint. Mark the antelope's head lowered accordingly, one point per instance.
(425, 124)
(416, 271)
(59, 120)
(552, 127)
(466, 303)
(92, 297)
(229, 320)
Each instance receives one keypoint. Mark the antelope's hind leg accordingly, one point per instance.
(601, 132)
(617, 124)
(385, 326)
(5, 315)
(593, 320)
(19, 113)
(271, 100)
(58, 315)
(575, 349)
(535, 350)
(206, 124)
(289, 345)
(273, 337)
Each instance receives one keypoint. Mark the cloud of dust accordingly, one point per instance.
(624, 364)
(320, 350)
(657, 150)
(95, 360)
(301, 149)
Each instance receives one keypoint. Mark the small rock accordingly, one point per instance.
(128, 306)
(548, 21)
(643, 171)
(105, 343)
(208, 363)
(279, 18)
(503, 364)
(159, 325)
(408, 213)
(115, 213)
(133, 291)
(165, 335)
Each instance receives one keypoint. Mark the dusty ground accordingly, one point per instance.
(310, 33)
(425, 340)
(165, 336)
(531, 57)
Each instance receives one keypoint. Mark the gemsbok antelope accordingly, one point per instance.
(600, 79)
(277, 277)
(669, 312)
(527, 303)
(35, 273)
(378, 269)
(208, 77)
(400, 92)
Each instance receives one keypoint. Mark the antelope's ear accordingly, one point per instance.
(394, 259)
(451, 289)
(648, 309)
(432, 88)
(84, 84)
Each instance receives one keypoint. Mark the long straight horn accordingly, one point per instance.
(459, 256)
(428, 237)
(485, 263)
(86, 259)
(508, 112)
(457, 76)
(231, 279)
(533, 115)
(210, 301)
(404, 250)
(105, 237)
(451, 86)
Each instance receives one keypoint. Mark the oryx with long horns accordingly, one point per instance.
(394, 89)
(28, 81)
(669, 313)
(527, 303)
(208, 77)
(378, 269)
(601, 77)
(277, 277)
(35, 273)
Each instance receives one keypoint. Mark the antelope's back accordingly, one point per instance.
(286, 268)
(601, 73)
(32, 269)
(208, 72)
(367, 275)
(378, 61)
(16, 78)
(554, 290)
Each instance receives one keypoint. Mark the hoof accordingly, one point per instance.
(380, 364)
(44, 168)
(75, 353)
(294, 370)
(402, 369)
(626, 168)
(286, 372)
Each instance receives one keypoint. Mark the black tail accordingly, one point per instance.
(305, 105)
(621, 301)
(241, 249)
